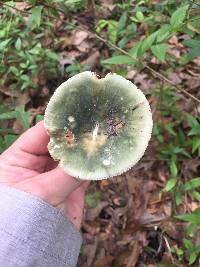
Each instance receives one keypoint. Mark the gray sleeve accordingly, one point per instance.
(34, 233)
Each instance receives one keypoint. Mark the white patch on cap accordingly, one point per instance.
(71, 119)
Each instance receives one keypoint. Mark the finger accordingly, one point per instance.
(19, 158)
(34, 140)
(53, 186)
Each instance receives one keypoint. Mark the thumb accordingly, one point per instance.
(52, 186)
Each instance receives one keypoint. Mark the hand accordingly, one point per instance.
(27, 166)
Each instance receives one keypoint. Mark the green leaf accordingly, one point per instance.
(19, 113)
(192, 257)
(23, 116)
(163, 33)
(52, 55)
(178, 16)
(112, 31)
(10, 139)
(92, 199)
(196, 195)
(170, 184)
(122, 21)
(191, 229)
(159, 51)
(134, 50)
(173, 168)
(192, 43)
(3, 44)
(178, 197)
(18, 44)
(101, 24)
(139, 15)
(195, 129)
(147, 43)
(39, 118)
(190, 185)
(36, 15)
(195, 144)
(193, 53)
(188, 244)
(117, 60)
(8, 115)
(193, 217)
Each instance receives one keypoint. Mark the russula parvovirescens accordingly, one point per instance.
(98, 128)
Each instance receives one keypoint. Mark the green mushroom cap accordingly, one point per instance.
(98, 128)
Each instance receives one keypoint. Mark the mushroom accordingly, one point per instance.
(98, 128)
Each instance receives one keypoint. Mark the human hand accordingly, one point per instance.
(27, 166)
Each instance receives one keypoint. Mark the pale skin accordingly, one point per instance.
(27, 166)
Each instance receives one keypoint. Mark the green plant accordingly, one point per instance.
(92, 199)
(8, 135)
(192, 251)
(162, 25)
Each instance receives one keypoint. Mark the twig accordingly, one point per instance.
(157, 74)
(169, 249)
(132, 260)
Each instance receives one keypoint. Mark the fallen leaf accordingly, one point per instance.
(23, 99)
(8, 92)
(17, 127)
(132, 260)
(175, 41)
(92, 60)
(108, 4)
(22, 5)
(91, 252)
(101, 262)
(143, 81)
(175, 78)
(92, 214)
(91, 227)
(131, 74)
(79, 37)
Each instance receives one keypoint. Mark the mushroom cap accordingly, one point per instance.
(98, 128)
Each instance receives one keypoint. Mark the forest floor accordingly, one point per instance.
(129, 220)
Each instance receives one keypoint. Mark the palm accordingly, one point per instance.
(26, 165)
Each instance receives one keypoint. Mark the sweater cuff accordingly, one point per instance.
(34, 233)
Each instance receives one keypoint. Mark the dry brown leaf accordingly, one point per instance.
(22, 5)
(131, 73)
(108, 4)
(132, 183)
(79, 37)
(91, 252)
(193, 82)
(174, 52)
(143, 81)
(92, 60)
(174, 41)
(17, 127)
(23, 99)
(197, 61)
(132, 260)
(91, 228)
(175, 78)
(8, 92)
(101, 262)
(92, 214)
